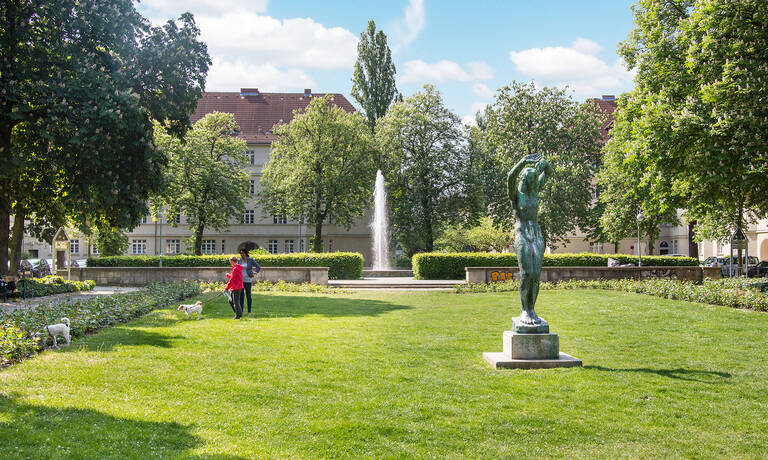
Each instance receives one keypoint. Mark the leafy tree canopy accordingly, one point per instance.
(321, 168)
(524, 120)
(206, 177)
(80, 82)
(373, 80)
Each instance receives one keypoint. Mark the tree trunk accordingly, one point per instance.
(693, 247)
(651, 243)
(17, 238)
(5, 223)
(317, 239)
(616, 247)
(199, 239)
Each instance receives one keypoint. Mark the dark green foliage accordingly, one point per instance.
(450, 266)
(49, 285)
(373, 80)
(342, 265)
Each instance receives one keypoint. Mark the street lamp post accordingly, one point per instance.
(639, 219)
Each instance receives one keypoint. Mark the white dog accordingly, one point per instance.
(60, 329)
(196, 307)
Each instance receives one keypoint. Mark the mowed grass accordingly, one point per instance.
(398, 375)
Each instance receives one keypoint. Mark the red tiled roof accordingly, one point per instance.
(608, 106)
(256, 112)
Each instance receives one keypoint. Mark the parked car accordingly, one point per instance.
(713, 262)
(731, 270)
(759, 270)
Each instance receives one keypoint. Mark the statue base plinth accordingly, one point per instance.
(530, 351)
(520, 327)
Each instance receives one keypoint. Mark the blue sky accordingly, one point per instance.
(466, 49)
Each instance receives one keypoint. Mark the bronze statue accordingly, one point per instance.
(524, 181)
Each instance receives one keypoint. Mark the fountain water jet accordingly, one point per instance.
(380, 226)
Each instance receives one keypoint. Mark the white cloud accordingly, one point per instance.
(576, 66)
(481, 90)
(408, 28)
(419, 71)
(299, 42)
(233, 75)
(167, 9)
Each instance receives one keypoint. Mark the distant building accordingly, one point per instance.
(256, 114)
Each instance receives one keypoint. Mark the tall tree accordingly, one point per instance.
(206, 175)
(321, 168)
(702, 122)
(80, 82)
(428, 146)
(373, 80)
(524, 120)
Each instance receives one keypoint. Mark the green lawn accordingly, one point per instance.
(398, 375)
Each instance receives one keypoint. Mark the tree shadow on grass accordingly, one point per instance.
(108, 338)
(692, 375)
(287, 306)
(31, 431)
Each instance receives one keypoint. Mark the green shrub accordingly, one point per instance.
(15, 344)
(52, 284)
(341, 265)
(451, 265)
(403, 262)
(735, 292)
(279, 286)
(89, 315)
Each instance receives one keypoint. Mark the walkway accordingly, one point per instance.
(402, 283)
(65, 297)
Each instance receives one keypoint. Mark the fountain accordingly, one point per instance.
(380, 227)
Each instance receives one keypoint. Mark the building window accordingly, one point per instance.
(94, 250)
(74, 246)
(272, 247)
(34, 253)
(249, 216)
(172, 246)
(144, 220)
(175, 220)
(288, 246)
(208, 247)
(663, 248)
(279, 219)
(223, 242)
(252, 187)
(301, 245)
(139, 247)
(250, 155)
(330, 245)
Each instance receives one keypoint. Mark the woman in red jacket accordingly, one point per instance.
(235, 286)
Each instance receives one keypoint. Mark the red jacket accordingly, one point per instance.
(235, 278)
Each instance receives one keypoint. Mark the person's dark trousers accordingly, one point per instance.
(247, 291)
(237, 302)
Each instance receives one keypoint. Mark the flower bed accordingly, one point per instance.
(16, 333)
(52, 284)
(279, 286)
(728, 292)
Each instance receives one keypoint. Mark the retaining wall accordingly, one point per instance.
(491, 274)
(141, 276)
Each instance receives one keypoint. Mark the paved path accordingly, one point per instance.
(65, 297)
(402, 283)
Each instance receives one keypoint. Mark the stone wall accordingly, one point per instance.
(490, 274)
(141, 276)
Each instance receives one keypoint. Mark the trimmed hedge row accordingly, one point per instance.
(341, 265)
(450, 266)
(17, 328)
(51, 284)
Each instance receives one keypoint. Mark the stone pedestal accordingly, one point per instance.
(530, 350)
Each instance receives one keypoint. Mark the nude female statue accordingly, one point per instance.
(524, 182)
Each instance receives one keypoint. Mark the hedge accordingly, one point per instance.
(450, 266)
(341, 265)
(17, 327)
(52, 284)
